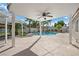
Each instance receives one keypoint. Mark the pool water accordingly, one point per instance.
(45, 33)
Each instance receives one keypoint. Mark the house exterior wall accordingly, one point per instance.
(75, 26)
(74, 32)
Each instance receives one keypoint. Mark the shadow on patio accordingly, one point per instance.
(28, 52)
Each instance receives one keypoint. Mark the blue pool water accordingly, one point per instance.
(45, 33)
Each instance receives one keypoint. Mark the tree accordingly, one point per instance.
(55, 24)
(61, 22)
(59, 25)
(44, 23)
(34, 24)
(17, 27)
(49, 21)
(29, 25)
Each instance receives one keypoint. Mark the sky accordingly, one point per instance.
(3, 8)
(64, 18)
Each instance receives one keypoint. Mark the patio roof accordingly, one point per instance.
(32, 10)
(3, 17)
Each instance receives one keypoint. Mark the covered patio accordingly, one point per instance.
(5, 23)
(34, 10)
(59, 44)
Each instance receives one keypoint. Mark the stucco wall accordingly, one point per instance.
(75, 34)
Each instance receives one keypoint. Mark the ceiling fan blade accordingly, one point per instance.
(46, 9)
(39, 17)
(49, 16)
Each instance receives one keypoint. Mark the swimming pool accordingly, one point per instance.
(45, 33)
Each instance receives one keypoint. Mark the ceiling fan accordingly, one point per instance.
(45, 14)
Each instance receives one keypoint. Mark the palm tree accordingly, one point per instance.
(29, 25)
(45, 23)
(49, 22)
(35, 24)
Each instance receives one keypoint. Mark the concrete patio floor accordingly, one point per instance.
(53, 45)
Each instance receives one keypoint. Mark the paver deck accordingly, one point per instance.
(53, 45)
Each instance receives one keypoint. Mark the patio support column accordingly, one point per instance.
(6, 30)
(13, 30)
(40, 28)
(22, 28)
(70, 31)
